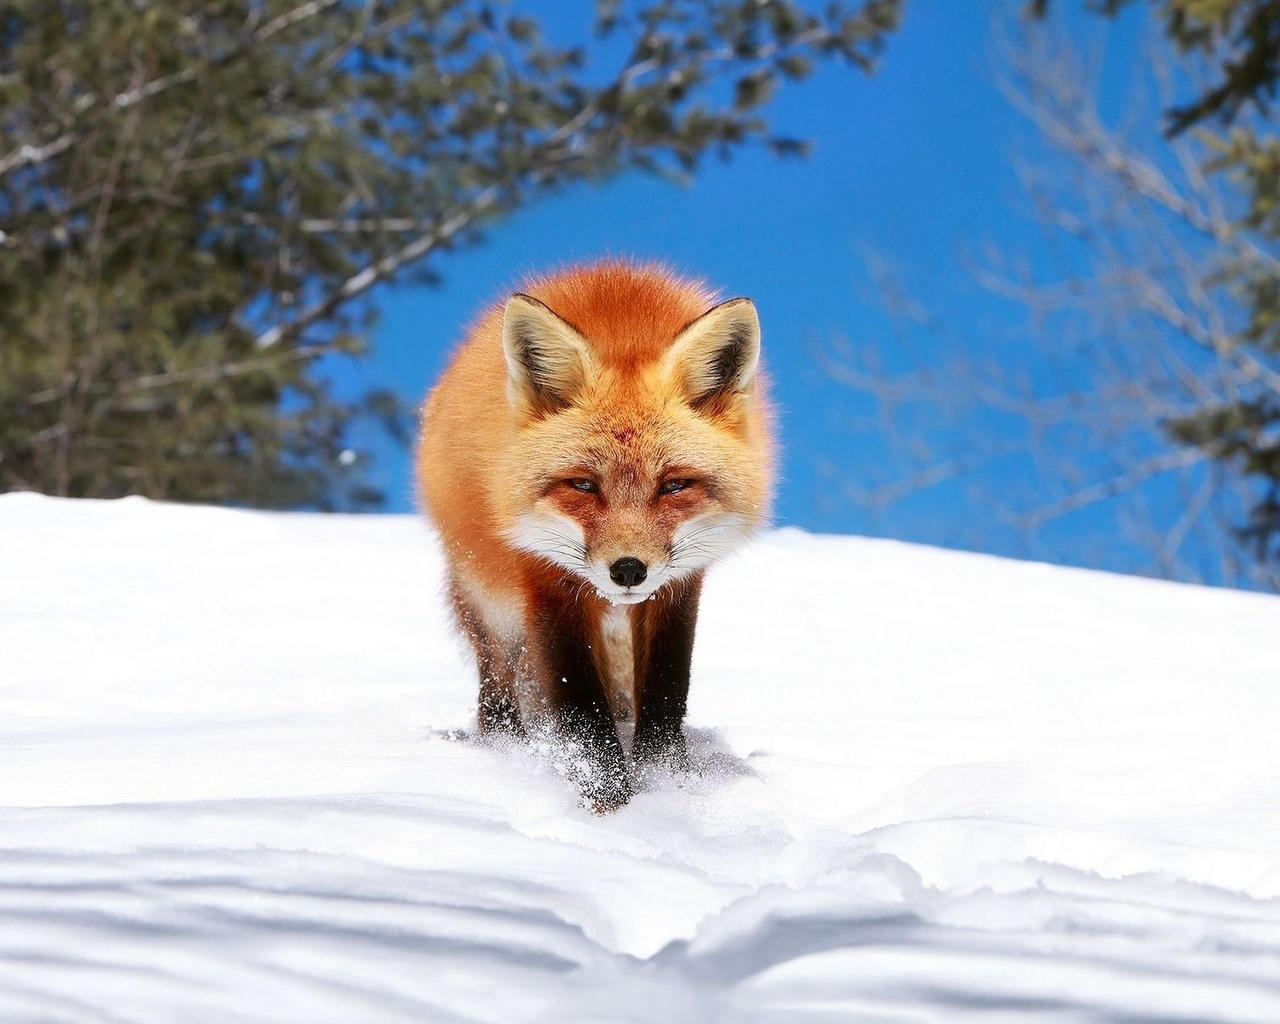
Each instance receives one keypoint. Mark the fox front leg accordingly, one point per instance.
(663, 642)
(576, 698)
(498, 707)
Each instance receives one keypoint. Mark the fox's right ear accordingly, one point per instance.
(547, 359)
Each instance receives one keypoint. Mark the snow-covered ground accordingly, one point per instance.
(235, 785)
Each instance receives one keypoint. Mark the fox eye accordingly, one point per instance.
(671, 486)
(583, 485)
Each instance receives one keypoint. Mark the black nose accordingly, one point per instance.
(627, 572)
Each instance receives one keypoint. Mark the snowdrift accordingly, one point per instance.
(236, 783)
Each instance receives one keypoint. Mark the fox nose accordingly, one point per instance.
(627, 572)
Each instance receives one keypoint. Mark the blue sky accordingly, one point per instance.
(913, 167)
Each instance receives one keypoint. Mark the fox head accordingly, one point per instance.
(634, 469)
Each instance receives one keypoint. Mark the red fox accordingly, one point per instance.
(597, 441)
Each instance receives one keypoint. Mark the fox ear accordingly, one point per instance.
(715, 357)
(547, 359)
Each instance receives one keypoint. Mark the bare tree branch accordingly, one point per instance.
(359, 284)
(1126, 298)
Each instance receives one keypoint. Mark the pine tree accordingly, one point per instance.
(197, 197)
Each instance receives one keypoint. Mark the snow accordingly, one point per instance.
(236, 782)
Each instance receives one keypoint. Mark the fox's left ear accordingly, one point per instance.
(715, 357)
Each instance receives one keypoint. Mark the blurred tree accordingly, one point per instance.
(1237, 419)
(1242, 38)
(197, 196)
(1131, 422)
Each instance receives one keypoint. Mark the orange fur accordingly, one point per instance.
(610, 415)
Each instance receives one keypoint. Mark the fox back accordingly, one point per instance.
(598, 440)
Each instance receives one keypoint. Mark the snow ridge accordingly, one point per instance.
(939, 787)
